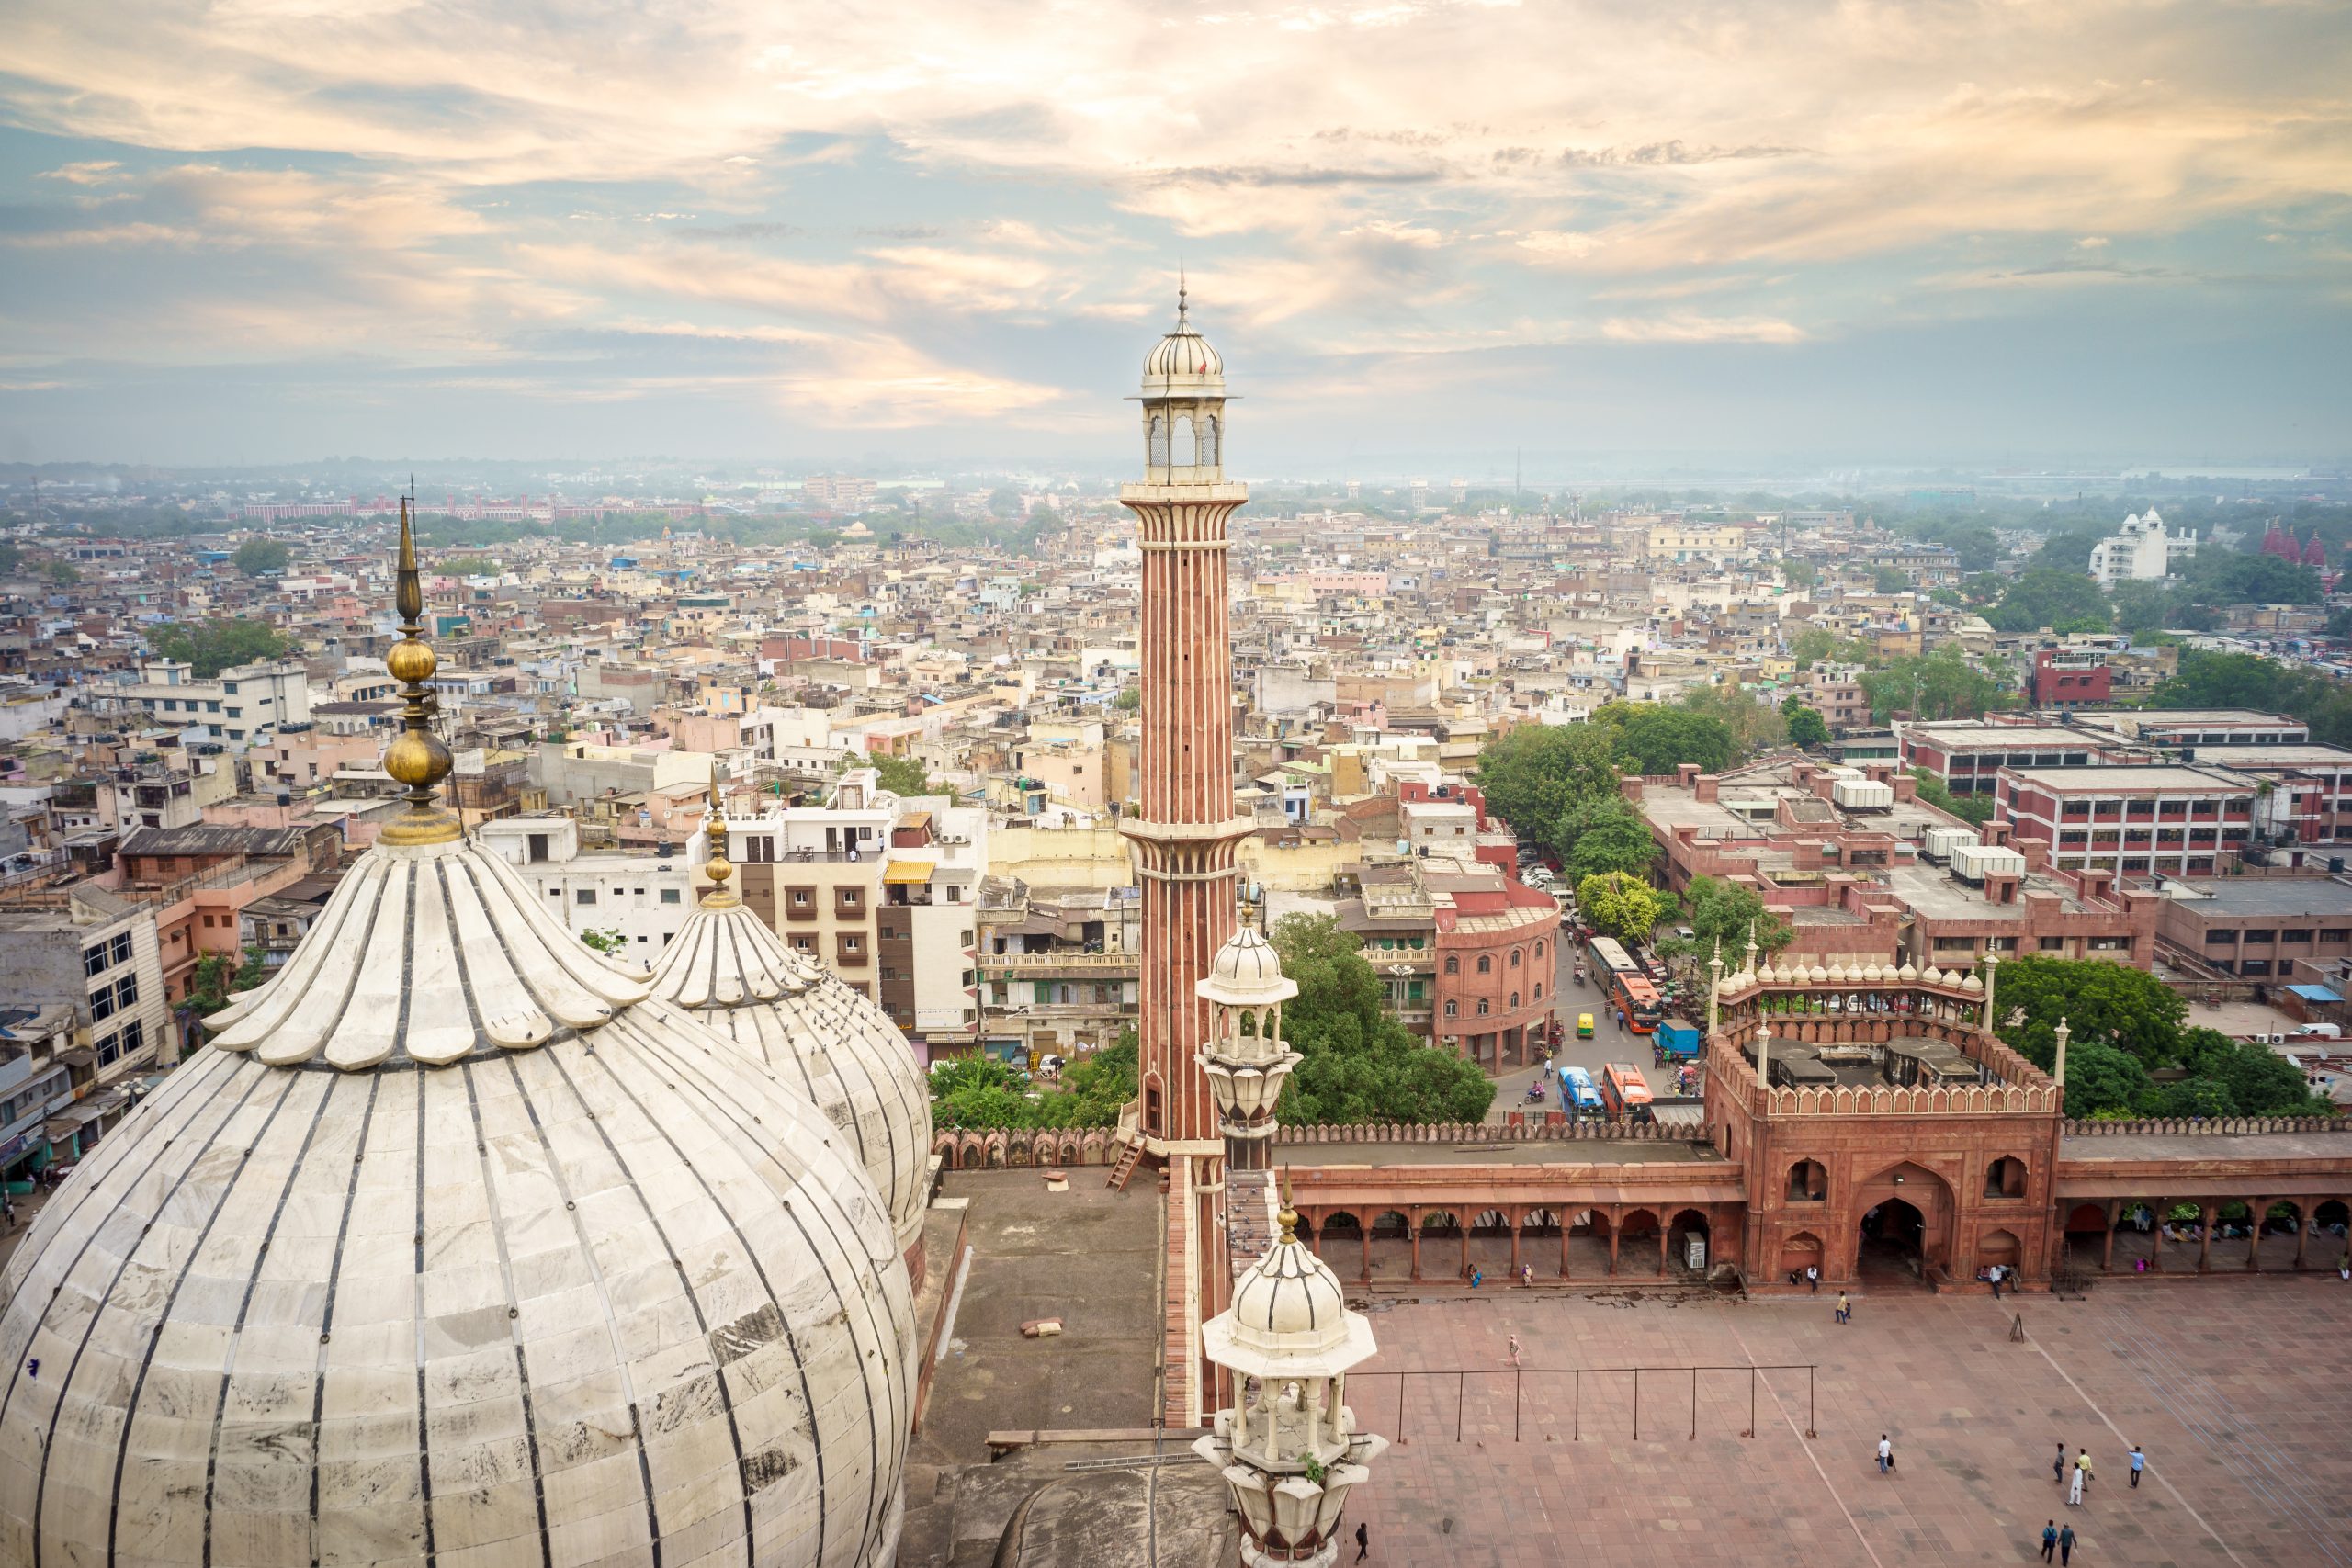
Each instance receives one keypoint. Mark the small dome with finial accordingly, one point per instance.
(1182, 363)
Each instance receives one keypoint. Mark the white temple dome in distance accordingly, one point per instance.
(1247, 971)
(457, 1247)
(805, 1028)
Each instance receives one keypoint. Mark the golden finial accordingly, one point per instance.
(717, 867)
(416, 756)
(1288, 1217)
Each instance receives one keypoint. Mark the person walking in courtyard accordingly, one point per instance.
(2138, 1463)
(2066, 1545)
(2049, 1540)
(1514, 1349)
(1363, 1541)
(2074, 1493)
(2058, 1467)
(1845, 1307)
(1885, 1454)
(2083, 1466)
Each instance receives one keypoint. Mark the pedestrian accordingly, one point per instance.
(1885, 1454)
(2049, 1540)
(1364, 1540)
(2138, 1463)
(2016, 1329)
(2074, 1493)
(1812, 1276)
(1514, 1349)
(2066, 1545)
(1477, 1278)
(2058, 1467)
(1845, 1307)
(1996, 1282)
(2083, 1467)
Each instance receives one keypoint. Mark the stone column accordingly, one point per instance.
(1992, 964)
(1462, 1232)
(2256, 1208)
(2303, 1207)
(1616, 1230)
(2106, 1253)
(1662, 1243)
(1565, 1219)
(2205, 1239)
(1414, 1232)
(1515, 1223)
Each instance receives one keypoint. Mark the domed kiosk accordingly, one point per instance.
(811, 1033)
(457, 1247)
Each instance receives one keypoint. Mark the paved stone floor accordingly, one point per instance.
(2233, 1387)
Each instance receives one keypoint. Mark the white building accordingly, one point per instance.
(2140, 551)
(239, 706)
(646, 897)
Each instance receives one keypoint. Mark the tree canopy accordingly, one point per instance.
(2126, 1029)
(1659, 738)
(259, 556)
(1971, 809)
(212, 646)
(1602, 835)
(2245, 680)
(987, 1092)
(1807, 728)
(903, 775)
(1947, 686)
(1753, 726)
(1358, 1063)
(1715, 909)
(1620, 904)
(1533, 773)
(2056, 597)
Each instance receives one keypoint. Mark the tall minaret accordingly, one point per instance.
(1186, 833)
(1185, 839)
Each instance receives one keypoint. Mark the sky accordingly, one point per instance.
(1422, 233)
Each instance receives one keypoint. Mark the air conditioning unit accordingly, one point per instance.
(1944, 843)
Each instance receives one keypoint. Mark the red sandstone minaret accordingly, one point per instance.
(1185, 839)
(1186, 834)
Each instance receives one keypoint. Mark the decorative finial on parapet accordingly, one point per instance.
(2058, 1065)
(416, 756)
(1763, 1049)
(717, 867)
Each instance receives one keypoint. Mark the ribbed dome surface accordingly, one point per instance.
(815, 1036)
(1291, 1305)
(499, 1291)
(1182, 363)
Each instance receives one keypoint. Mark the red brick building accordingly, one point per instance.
(2070, 678)
(2185, 819)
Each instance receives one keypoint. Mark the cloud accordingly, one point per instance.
(94, 172)
(1701, 329)
(2091, 243)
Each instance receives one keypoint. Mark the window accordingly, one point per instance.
(2221, 939)
(1454, 1010)
(2255, 966)
(1453, 966)
(1514, 999)
(2334, 933)
(133, 1037)
(1486, 964)
(1514, 958)
(585, 895)
(1539, 991)
(1809, 1182)
(2262, 936)
(2053, 943)
(1539, 948)
(801, 897)
(2296, 933)
(669, 896)
(1482, 1007)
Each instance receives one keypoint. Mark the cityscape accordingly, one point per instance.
(1305, 803)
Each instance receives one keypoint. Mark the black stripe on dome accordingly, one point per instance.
(424, 1423)
(747, 1138)
(326, 1320)
(506, 1277)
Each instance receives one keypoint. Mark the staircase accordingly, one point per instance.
(1129, 1158)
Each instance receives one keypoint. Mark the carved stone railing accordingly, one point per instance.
(2193, 1126)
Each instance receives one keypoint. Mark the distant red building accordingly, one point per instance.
(2072, 678)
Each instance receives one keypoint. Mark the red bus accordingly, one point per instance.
(1628, 990)
(1625, 1092)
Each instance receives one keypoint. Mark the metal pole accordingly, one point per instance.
(1637, 1404)
(1694, 1405)
(1577, 1435)
(1751, 1404)
(1808, 1403)
(1460, 1385)
(1400, 1403)
(1514, 1404)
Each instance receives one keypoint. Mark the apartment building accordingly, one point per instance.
(2291, 929)
(1968, 754)
(105, 965)
(2182, 819)
(239, 705)
(2310, 800)
(1468, 953)
(645, 896)
(36, 1085)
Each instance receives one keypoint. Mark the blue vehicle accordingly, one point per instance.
(1578, 1093)
(1676, 1040)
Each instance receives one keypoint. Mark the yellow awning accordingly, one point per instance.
(908, 871)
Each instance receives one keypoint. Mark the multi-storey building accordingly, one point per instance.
(2309, 801)
(644, 897)
(102, 959)
(2070, 678)
(1968, 754)
(239, 705)
(2289, 929)
(2141, 550)
(2180, 818)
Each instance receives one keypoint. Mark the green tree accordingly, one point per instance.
(1129, 699)
(63, 574)
(1807, 728)
(1976, 809)
(1818, 645)
(219, 975)
(1533, 773)
(259, 556)
(469, 566)
(1753, 726)
(903, 775)
(1603, 834)
(213, 645)
(1717, 910)
(2127, 1008)
(1890, 580)
(1358, 1063)
(2141, 607)
(979, 1091)
(1800, 573)
(607, 941)
(2103, 1082)
(2046, 596)
(1620, 906)
(1657, 739)
(1944, 683)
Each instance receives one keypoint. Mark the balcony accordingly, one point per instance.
(1039, 966)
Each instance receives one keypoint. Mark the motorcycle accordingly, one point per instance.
(1580, 976)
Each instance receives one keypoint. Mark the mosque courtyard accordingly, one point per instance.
(2232, 1388)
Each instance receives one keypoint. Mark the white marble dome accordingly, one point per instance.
(1246, 972)
(816, 1037)
(1182, 363)
(1906, 974)
(457, 1248)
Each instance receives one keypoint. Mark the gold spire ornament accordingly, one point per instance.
(717, 867)
(416, 756)
(1288, 1215)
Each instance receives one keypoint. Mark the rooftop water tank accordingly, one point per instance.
(1862, 795)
